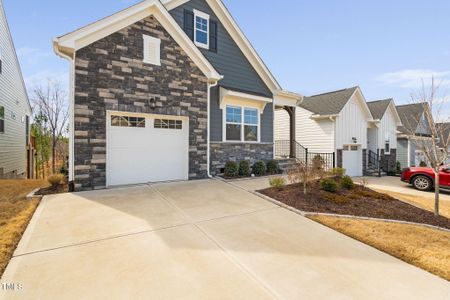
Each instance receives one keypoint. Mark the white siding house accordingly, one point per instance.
(382, 133)
(332, 122)
(15, 109)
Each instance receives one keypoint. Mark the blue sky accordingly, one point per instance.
(311, 46)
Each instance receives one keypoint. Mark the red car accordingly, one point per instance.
(423, 178)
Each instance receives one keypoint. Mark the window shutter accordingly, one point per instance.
(189, 23)
(213, 36)
(152, 50)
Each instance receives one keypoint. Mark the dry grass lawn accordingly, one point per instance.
(420, 201)
(15, 213)
(425, 248)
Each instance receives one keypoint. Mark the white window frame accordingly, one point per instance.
(242, 124)
(202, 15)
(149, 40)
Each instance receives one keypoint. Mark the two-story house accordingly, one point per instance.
(166, 90)
(336, 122)
(415, 129)
(16, 155)
(382, 135)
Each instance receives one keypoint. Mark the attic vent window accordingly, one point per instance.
(152, 50)
(201, 32)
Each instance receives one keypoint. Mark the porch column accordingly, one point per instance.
(292, 135)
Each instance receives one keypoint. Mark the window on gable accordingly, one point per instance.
(201, 31)
(2, 119)
(152, 50)
(242, 124)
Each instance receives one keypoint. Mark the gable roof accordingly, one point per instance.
(446, 130)
(67, 45)
(330, 103)
(378, 108)
(239, 38)
(410, 114)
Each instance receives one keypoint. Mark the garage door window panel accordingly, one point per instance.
(168, 124)
(124, 121)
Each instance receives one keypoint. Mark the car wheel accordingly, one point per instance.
(422, 183)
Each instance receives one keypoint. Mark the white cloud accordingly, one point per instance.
(30, 56)
(41, 78)
(413, 78)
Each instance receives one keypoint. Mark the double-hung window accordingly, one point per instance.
(201, 31)
(242, 124)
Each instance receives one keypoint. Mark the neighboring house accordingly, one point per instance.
(168, 90)
(414, 127)
(382, 134)
(446, 131)
(331, 122)
(15, 110)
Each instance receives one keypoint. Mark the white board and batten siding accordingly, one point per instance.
(316, 135)
(388, 130)
(14, 99)
(352, 123)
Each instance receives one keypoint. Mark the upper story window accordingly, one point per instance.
(201, 32)
(1, 61)
(2, 119)
(152, 50)
(201, 29)
(241, 124)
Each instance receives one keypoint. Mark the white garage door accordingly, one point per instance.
(146, 148)
(352, 160)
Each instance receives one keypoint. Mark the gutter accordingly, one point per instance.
(71, 108)
(208, 136)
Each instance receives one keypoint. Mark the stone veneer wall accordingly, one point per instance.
(364, 160)
(111, 75)
(389, 161)
(339, 158)
(221, 153)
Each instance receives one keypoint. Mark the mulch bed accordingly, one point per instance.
(361, 202)
(51, 191)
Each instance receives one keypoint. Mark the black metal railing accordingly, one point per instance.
(375, 162)
(293, 149)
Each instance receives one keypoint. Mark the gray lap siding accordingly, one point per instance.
(110, 75)
(239, 75)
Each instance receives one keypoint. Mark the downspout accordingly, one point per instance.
(71, 111)
(208, 138)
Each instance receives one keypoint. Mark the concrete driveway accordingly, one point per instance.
(198, 240)
(394, 184)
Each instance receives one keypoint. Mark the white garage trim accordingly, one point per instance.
(352, 160)
(153, 153)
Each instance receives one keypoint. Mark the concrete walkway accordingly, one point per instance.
(198, 240)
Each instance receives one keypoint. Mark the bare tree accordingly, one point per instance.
(431, 139)
(51, 102)
(306, 173)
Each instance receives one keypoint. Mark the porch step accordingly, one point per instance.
(286, 164)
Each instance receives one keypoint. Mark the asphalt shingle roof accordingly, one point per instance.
(446, 127)
(410, 115)
(378, 108)
(330, 103)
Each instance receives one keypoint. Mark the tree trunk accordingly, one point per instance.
(436, 194)
(54, 155)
